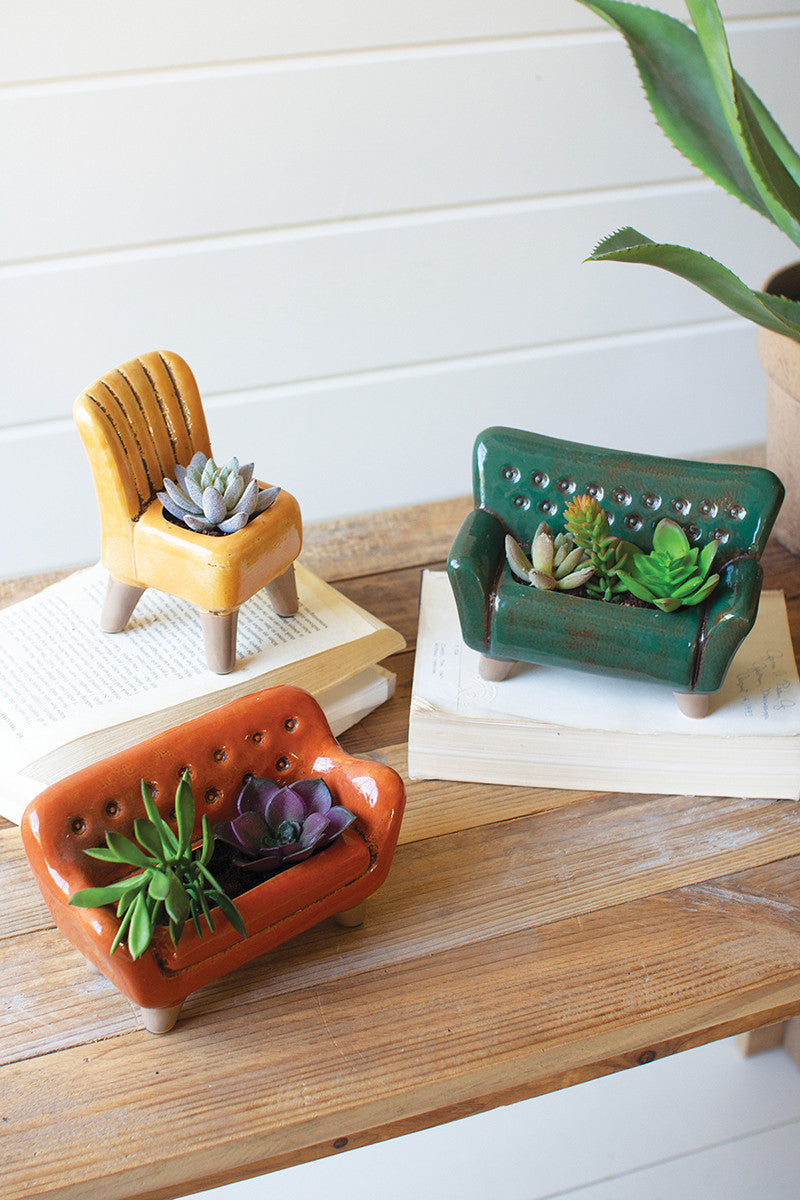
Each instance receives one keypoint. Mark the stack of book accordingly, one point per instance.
(552, 727)
(70, 694)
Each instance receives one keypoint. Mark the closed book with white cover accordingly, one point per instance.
(553, 727)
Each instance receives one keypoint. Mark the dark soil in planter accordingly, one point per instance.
(205, 532)
(624, 599)
(232, 879)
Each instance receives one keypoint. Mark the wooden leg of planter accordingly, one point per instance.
(692, 704)
(219, 636)
(160, 1020)
(494, 669)
(121, 600)
(351, 918)
(756, 1041)
(283, 594)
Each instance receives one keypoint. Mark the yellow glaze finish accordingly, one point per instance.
(137, 422)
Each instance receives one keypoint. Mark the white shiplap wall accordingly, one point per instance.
(363, 225)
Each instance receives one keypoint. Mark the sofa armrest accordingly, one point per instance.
(730, 616)
(473, 564)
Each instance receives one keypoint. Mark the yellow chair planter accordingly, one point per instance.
(137, 423)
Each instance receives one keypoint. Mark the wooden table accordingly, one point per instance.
(526, 939)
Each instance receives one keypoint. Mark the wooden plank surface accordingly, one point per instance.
(526, 939)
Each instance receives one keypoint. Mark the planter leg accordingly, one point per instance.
(219, 636)
(494, 669)
(351, 918)
(691, 704)
(283, 594)
(160, 1020)
(121, 600)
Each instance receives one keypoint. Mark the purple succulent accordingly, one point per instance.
(278, 826)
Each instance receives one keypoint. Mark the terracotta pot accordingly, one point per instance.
(780, 357)
(280, 733)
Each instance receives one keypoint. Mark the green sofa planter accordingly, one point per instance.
(521, 479)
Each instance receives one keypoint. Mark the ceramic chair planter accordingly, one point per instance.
(523, 478)
(137, 422)
(280, 733)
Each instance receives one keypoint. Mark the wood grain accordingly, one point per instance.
(525, 939)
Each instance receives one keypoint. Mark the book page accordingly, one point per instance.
(760, 695)
(61, 677)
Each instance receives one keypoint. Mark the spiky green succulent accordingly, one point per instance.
(556, 563)
(174, 883)
(207, 497)
(588, 524)
(673, 573)
(713, 117)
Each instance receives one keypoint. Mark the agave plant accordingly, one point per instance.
(207, 497)
(556, 563)
(278, 826)
(588, 524)
(174, 882)
(673, 573)
(715, 119)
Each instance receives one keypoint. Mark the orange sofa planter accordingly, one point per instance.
(137, 422)
(280, 733)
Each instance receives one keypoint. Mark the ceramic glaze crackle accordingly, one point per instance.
(522, 478)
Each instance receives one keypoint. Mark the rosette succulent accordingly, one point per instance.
(556, 563)
(278, 826)
(173, 884)
(207, 497)
(673, 573)
(588, 524)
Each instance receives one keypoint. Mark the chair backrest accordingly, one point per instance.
(136, 423)
(525, 478)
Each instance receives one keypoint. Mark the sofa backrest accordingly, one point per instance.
(279, 733)
(525, 478)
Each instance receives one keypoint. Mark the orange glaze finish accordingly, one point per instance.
(280, 733)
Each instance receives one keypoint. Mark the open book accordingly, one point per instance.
(70, 694)
(551, 727)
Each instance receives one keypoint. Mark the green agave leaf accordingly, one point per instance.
(207, 848)
(707, 555)
(123, 928)
(147, 834)
(772, 312)
(167, 836)
(103, 853)
(127, 851)
(176, 901)
(184, 811)
(669, 538)
(777, 187)
(682, 92)
(705, 590)
(96, 897)
(140, 932)
(229, 910)
(159, 886)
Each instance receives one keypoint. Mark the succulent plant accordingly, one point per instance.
(174, 883)
(207, 497)
(588, 524)
(673, 573)
(278, 826)
(556, 563)
(713, 117)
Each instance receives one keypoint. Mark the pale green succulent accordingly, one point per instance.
(207, 497)
(713, 117)
(673, 573)
(556, 563)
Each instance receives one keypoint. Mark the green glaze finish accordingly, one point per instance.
(523, 478)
